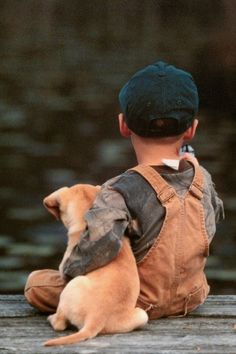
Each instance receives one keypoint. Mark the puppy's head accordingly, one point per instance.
(70, 204)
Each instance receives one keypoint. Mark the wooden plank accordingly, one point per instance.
(184, 335)
(214, 306)
(210, 330)
(15, 306)
(217, 306)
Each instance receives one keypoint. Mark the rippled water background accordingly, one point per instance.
(61, 67)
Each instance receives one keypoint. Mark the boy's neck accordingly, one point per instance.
(153, 151)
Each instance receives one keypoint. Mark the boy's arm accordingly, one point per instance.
(106, 222)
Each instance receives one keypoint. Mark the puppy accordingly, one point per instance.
(104, 300)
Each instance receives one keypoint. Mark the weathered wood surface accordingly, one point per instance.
(210, 329)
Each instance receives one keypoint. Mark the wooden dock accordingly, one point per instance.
(210, 329)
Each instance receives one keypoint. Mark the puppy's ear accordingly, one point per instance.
(53, 201)
(52, 204)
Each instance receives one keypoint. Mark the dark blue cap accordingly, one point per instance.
(159, 91)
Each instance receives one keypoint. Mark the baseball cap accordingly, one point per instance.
(159, 91)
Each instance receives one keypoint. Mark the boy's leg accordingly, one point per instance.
(43, 289)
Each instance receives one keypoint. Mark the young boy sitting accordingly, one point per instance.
(167, 205)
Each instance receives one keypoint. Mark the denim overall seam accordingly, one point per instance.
(196, 191)
(182, 261)
(148, 306)
(204, 232)
(178, 257)
(204, 236)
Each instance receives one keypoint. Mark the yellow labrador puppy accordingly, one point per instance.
(104, 300)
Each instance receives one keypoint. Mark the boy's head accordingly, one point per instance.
(159, 101)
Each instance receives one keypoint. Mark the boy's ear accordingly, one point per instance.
(124, 130)
(190, 132)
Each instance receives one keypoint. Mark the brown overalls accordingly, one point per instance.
(171, 274)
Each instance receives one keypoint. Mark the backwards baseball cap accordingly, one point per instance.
(159, 91)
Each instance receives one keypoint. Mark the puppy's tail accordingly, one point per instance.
(83, 334)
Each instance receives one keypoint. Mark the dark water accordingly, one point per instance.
(61, 67)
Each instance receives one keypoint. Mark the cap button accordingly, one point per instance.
(161, 73)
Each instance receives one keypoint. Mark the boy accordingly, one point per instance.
(167, 206)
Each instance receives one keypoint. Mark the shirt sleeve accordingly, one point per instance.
(217, 205)
(216, 202)
(213, 206)
(106, 221)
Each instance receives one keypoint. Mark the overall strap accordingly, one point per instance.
(196, 187)
(163, 190)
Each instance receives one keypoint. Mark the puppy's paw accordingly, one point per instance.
(58, 324)
(51, 319)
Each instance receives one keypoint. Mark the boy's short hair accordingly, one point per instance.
(159, 93)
